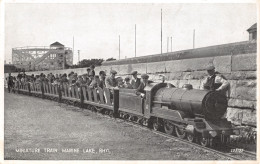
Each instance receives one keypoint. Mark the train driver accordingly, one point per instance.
(215, 82)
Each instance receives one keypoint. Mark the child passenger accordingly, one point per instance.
(120, 82)
(127, 83)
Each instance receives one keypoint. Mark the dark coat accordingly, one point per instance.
(135, 84)
(141, 88)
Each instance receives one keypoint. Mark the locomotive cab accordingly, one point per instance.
(133, 106)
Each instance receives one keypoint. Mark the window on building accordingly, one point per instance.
(254, 35)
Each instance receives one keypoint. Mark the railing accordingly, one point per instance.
(84, 94)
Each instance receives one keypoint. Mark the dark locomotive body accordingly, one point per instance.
(185, 112)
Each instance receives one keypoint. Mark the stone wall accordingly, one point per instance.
(236, 62)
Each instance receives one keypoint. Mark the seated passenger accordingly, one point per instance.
(92, 71)
(135, 82)
(74, 79)
(102, 76)
(95, 82)
(110, 81)
(56, 81)
(37, 81)
(19, 76)
(127, 83)
(79, 82)
(70, 77)
(85, 79)
(144, 81)
(64, 79)
(90, 79)
(120, 82)
(88, 71)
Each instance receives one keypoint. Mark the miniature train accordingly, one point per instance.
(185, 112)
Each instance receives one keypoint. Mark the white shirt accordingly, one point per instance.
(218, 80)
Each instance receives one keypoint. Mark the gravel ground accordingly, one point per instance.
(50, 131)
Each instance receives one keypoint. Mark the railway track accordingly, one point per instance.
(244, 155)
(227, 155)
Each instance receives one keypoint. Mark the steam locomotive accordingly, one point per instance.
(185, 112)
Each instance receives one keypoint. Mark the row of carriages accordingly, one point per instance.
(93, 98)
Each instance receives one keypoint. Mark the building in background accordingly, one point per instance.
(53, 57)
(253, 32)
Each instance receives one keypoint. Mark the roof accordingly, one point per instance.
(253, 27)
(56, 44)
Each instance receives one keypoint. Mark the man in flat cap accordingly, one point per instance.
(143, 84)
(110, 81)
(214, 82)
(135, 82)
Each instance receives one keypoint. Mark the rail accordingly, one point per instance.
(226, 152)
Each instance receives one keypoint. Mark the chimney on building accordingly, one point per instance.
(252, 32)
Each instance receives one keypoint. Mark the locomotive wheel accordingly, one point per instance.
(106, 112)
(168, 127)
(156, 124)
(140, 121)
(126, 116)
(132, 118)
(190, 137)
(121, 115)
(180, 132)
(93, 109)
(111, 113)
(204, 141)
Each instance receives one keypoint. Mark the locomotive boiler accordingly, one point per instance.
(193, 102)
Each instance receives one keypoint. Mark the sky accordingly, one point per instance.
(96, 27)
